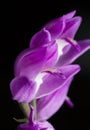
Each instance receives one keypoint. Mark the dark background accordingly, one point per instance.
(19, 21)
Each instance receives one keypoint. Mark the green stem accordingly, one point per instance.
(35, 109)
(25, 109)
(23, 120)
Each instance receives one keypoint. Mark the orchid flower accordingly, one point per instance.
(44, 72)
(35, 125)
(62, 31)
(35, 76)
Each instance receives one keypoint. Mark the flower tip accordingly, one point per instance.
(70, 14)
(77, 67)
(69, 102)
(74, 12)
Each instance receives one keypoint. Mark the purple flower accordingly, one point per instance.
(62, 31)
(44, 72)
(35, 75)
(35, 125)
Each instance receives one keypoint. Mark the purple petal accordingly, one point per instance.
(30, 62)
(52, 54)
(27, 126)
(41, 38)
(22, 89)
(72, 54)
(68, 15)
(43, 125)
(54, 81)
(35, 125)
(73, 43)
(71, 27)
(55, 28)
(49, 105)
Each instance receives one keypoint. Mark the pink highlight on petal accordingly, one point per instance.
(69, 102)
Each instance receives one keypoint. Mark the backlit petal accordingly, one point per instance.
(30, 62)
(22, 89)
(68, 15)
(49, 105)
(52, 55)
(54, 81)
(41, 38)
(55, 28)
(71, 27)
(72, 54)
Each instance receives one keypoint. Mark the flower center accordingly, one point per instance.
(39, 80)
(50, 69)
(61, 44)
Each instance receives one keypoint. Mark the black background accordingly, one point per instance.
(19, 21)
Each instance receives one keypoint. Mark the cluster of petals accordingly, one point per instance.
(44, 71)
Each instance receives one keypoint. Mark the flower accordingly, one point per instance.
(35, 76)
(45, 71)
(35, 125)
(62, 31)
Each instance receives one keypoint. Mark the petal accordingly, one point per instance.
(30, 62)
(69, 15)
(49, 105)
(57, 25)
(72, 54)
(71, 27)
(55, 28)
(22, 89)
(41, 38)
(64, 17)
(52, 55)
(28, 126)
(45, 125)
(54, 81)
(73, 43)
